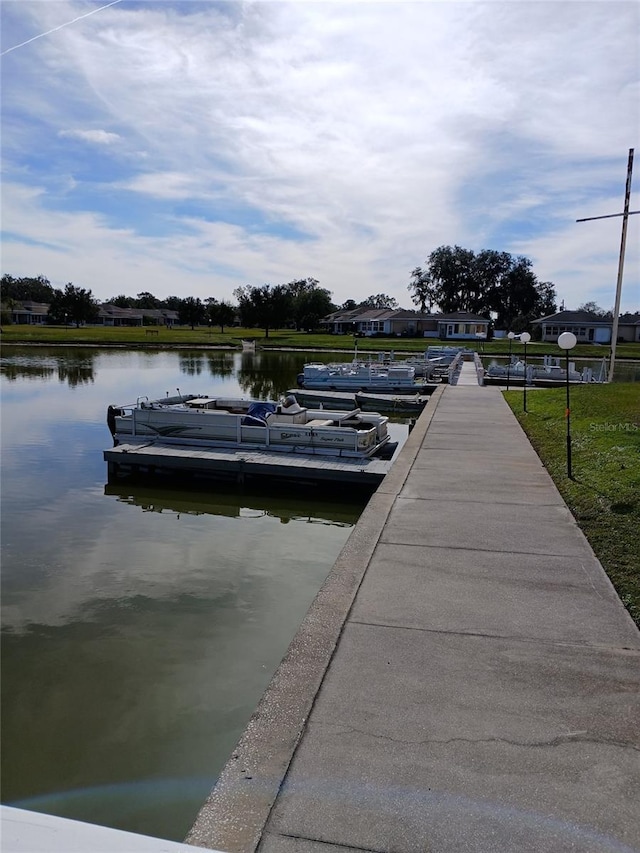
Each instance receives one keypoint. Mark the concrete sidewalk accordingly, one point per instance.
(466, 680)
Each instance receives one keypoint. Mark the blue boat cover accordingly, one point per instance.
(257, 414)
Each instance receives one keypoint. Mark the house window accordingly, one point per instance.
(371, 326)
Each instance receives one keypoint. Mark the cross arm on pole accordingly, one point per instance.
(608, 216)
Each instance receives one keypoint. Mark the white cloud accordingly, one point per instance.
(99, 137)
(378, 130)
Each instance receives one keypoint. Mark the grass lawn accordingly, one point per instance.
(278, 338)
(604, 495)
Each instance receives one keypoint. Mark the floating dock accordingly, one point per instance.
(156, 458)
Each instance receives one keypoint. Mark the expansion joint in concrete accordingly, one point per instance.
(559, 740)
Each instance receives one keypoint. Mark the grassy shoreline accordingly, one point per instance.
(162, 338)
(604, 494)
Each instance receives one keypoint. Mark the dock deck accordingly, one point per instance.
(230, 464)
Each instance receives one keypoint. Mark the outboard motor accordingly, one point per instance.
(112, 411)
(300, 380)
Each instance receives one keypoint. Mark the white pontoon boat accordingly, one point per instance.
(251, 424)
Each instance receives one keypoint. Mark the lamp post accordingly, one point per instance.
(525, 337)
(511, 336)
(567, 341)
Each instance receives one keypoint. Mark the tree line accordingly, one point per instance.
(300, 303)
(496, 285)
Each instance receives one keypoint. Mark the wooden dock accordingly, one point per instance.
(156, 458)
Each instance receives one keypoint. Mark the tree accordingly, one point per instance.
(450, 270)
(268, 306)
(546, 298)
(594, 308)
(37, 289)
(221, 313)
(246, 306)
(122, 301)
(147, 300)
(422, 289)
(488, 283)
(309, 302)
(191, 311)
(380, 300)
(349, 305)
(74, 304)
(172, 303)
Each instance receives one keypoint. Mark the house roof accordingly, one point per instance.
(577, 317)
(586, 318)
(360, 315)
(31, 307)
(465, 316)
(109, 310)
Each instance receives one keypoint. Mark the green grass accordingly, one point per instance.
(279, 338)
(604, 495)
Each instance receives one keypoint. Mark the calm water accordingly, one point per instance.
(141, 624)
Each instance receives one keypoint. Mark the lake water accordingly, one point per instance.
(141, 624)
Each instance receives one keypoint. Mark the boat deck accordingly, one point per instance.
(238, 464)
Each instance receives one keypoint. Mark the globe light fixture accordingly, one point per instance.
(567, 341)
(525, 337)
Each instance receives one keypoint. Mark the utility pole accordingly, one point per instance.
(625, 218)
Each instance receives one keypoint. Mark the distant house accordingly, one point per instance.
(399, 322)
(160, 316)
(112, 315)
(588, 327)
(461, 325)
(30, 313)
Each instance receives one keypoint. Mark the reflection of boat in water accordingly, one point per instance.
(286, 427)
(238, 503)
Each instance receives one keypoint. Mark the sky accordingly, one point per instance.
(189, 148)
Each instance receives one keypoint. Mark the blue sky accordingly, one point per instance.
(188, 148)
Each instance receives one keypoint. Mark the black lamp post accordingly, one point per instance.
(525, 337)
(567, 341)
(511, 336)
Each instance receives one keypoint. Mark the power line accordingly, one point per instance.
(55, 29)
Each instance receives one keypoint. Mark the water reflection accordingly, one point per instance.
(75, 367)
(262, 377)
(236, 502)
(141, 624)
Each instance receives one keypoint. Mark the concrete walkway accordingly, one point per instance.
(466, 680)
